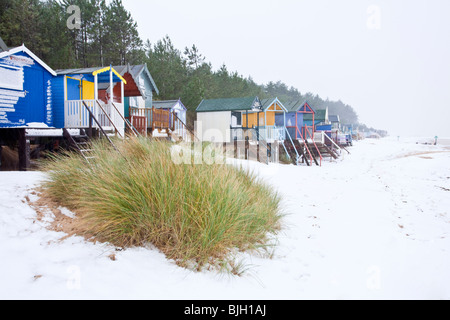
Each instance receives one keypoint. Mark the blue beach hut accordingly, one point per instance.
(25, 90)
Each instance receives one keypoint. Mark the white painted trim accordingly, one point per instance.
(65, 88)
(96, 87)
(279, 102)
(22, 48)
(122, 92)
(111, 85)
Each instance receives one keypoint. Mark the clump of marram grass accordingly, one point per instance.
(194, 214)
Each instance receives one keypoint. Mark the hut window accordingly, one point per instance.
(11, 77)
(236, 119)
(133, 102)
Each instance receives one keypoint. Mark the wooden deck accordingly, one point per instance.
(139, 123)
(155, 118)
(146, 120)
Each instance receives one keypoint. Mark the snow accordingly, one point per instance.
(49, 132)
(37, 125)
(374, 225)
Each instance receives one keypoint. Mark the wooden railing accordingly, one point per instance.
(146, 118)
(305, 145)
(179, 129)
(76, 115)
(161, 119)
(267, 133)
(182, 130)
(272, 133)
(139, 123)
(289, 140)
(319, 137)
(142, 113)
(311, 137)
(331, 141)
(242, 134)
(156, 118)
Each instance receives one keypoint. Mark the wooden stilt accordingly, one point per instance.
(257, 153)
(89, 132)
(246, 148)
(24, 151)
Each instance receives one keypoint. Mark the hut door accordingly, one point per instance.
(73, 89)
(88, 90)
(35, 97)
(279, 119)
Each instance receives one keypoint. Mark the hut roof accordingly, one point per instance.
(333, 118)
(230, 104)
(299, 105)
(102, 73)
(167, 104)
(267, 103)
(137, 70)
(320, 115)
(24, 49)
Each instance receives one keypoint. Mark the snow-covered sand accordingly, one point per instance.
(375, 225)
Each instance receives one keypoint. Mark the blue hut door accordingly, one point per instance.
(73, 89)
(35, 95)
(279, 119)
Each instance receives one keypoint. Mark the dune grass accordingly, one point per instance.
(195, 214)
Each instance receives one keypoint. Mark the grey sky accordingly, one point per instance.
(389, 59)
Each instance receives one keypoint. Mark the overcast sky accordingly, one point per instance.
(388, 59)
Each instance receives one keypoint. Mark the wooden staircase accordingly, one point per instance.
(312, 150)
(80, 143)
(291, 151)
(327, 151)
(304, 152)
(179, 131)
(298, 151)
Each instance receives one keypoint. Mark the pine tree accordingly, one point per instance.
(60, 52)
(98, 35)
(194, 58)
(168, 66)
(21, 24)
(122, 41)
(83, 38)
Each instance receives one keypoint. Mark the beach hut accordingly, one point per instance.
(226, 120)
(298, 113)
(139, 88)
(300, 124)
(335, 122)
(347, 129)
(337, 134)
(175, 107)
(249, 120)
(220, 120)
(26, 85)
(80, 101)
(177, 118)
(25, 90)
(321, 117)
(269, 121)
(146, 115)
(138, 94)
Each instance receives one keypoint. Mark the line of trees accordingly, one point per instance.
(109, 35)
(107, 32)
